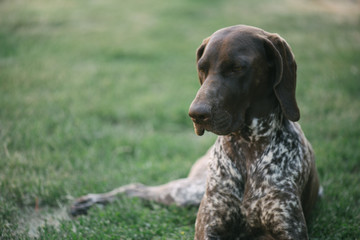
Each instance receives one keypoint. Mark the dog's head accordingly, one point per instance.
(245, 73)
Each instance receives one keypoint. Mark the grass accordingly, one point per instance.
(94, 95)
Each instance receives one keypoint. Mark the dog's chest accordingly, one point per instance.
(237, 165)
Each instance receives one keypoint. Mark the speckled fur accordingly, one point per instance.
(255, 181)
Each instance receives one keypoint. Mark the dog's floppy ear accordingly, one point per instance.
(285, 79)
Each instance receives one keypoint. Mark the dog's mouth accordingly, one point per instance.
(199, 130)
(220, 124)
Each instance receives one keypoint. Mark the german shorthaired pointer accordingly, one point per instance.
(258, 181)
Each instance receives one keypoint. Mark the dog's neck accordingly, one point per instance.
(260, 128)
(251, 141)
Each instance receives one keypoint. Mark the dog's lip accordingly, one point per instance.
(223, 122)
(199, 130)
(200, 126)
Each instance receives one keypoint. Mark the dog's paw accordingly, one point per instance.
(82, 205)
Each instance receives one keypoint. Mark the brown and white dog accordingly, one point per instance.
(258, 181)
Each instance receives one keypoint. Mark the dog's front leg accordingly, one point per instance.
(220, 217)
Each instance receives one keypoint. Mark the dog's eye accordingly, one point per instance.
(203, 66)
(201, 72)
(237, 69)
(202, 75)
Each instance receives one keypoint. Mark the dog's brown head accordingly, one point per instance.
(245, 73)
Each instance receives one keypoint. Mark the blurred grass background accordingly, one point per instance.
(94, 94)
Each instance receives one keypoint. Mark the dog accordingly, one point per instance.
(259, 179)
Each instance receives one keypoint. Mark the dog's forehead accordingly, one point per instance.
(238, 37)
(243, 30)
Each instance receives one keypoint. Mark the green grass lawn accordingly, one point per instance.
(94, 95)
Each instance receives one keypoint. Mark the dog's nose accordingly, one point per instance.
(200, 113)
